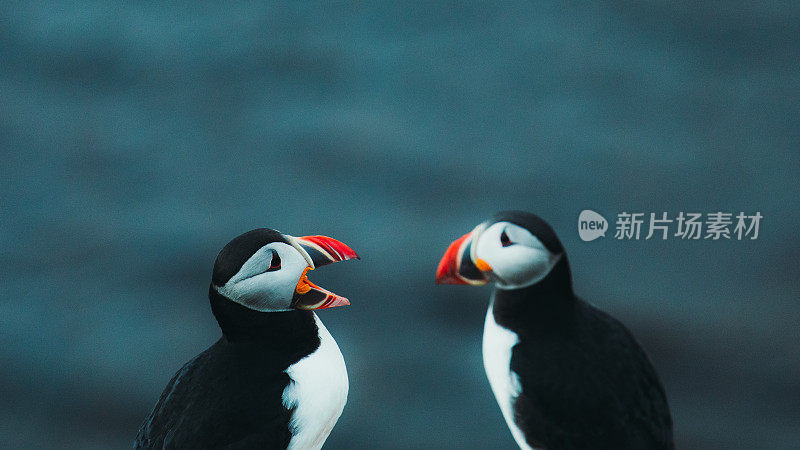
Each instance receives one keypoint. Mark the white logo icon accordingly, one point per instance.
(591, 225)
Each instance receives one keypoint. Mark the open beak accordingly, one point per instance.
(457, 265)
(319, 251)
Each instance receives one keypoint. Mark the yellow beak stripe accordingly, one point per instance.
(482, 265)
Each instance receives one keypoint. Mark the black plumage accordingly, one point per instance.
(230, 396)
(585, 381)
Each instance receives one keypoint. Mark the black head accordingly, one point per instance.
(534, 224)
(233, 256)
(514, 249)
(265, 270)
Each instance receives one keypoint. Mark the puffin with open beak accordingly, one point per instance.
(276, 378)
(565, 374)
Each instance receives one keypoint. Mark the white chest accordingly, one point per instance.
(497, 344)
(317, 392)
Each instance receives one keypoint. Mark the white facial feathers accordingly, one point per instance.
(517, 257)
(257, 287)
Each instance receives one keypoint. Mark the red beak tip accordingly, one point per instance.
(448, 280)
(337, 250)
(446, 272)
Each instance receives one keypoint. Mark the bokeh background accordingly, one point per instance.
(138, 138)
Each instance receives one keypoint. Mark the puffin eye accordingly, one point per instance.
(275, 264)
(504, 240)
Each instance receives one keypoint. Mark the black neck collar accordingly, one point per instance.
(294, 332)
(545, 307)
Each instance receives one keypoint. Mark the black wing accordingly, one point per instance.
(594, 389)
(219, 401)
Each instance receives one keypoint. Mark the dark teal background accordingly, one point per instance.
(137, 139)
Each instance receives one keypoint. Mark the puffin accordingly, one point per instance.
(276, 378)
(565, 374)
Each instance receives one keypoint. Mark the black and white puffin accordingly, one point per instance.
(565, 374)
(276, 378)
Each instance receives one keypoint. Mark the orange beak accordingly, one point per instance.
(457, 267)
(319, 251)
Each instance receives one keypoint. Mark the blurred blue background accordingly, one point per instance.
(138, 138)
